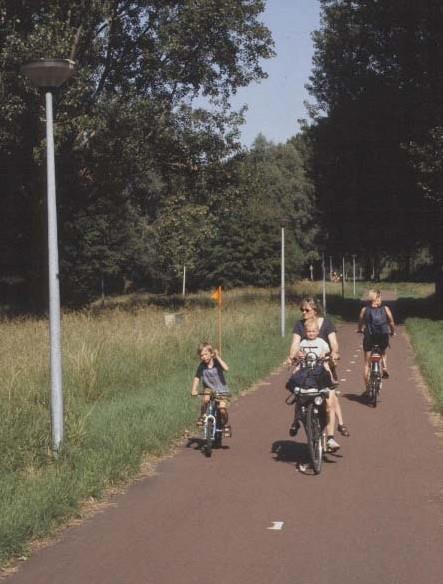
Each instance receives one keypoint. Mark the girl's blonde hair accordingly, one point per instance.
(374, 294)
(205, 345)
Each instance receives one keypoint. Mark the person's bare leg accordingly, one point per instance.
(367, 358)
(330, 409)
(338, 410)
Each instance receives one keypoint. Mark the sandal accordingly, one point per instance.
(343, 430)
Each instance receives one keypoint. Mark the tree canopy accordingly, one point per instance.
(377, 125)
(137, 161)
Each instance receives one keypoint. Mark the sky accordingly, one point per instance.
(276, 103)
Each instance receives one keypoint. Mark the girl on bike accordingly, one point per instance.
(211, 373)
(376, 323)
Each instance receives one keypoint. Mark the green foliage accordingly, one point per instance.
(266, 189)
(426, 336)
(127, 136)
(376, 79)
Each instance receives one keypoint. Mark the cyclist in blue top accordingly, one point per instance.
(376, 323)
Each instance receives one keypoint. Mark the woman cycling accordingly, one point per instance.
(327, 331)
(375, 322)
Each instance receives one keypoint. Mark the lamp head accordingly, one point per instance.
(48, 73)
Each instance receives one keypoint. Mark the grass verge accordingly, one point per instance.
(127, 384)
(427, 339)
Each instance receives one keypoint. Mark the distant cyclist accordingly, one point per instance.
(376, 323)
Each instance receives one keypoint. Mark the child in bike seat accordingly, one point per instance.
(312, 343)
(211, 373)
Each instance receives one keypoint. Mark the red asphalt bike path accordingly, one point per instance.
(372, 515)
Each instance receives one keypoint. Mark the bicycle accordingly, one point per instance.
(311, 411)
(212, 428)
(375, 376)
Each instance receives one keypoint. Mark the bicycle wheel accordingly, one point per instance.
(374, 388)
(208, 436)
(313, 432)
(218, 439)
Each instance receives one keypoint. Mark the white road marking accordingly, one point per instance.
(352, 362)
(343, 379)
(348, 370)
(276, 525)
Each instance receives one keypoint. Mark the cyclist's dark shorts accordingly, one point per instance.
(381, 340)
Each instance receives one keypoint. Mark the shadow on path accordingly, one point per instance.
(199, 444)
(297, 453)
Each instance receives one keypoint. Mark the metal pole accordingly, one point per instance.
(184, 281)
(353, 271)
(330, 268)
(283, 282)
(324, 282)
(54, 289)
(343, 278)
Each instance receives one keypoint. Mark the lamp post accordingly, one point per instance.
(283, 294)
(49, 74)
(323, 269)
(353, 269)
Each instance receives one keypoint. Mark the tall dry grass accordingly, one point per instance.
(126, 379)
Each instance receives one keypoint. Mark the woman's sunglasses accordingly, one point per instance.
(305, 309)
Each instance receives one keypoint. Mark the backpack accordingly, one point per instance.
(377, 320)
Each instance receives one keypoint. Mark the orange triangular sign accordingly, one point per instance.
(217, 296)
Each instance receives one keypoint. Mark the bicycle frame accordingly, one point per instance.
(211, 415)
(375, 374)
(311, 411)
(212, 429)
(376, 360)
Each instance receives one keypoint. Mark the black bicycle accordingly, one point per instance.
(375, 376)
(311, 409)
(212, 428)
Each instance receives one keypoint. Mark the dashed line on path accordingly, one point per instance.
(276, 526)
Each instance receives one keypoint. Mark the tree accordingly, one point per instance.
(127, 133)
(376, 82)
(267, 188)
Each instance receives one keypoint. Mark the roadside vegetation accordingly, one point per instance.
(126, 388)
(127, 384)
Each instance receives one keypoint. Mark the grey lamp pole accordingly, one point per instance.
(49, 74)
(353, 270)
(283, 294)
(323, 267)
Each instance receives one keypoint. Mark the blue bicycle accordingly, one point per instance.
(212, 428)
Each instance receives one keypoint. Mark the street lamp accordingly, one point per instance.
(353, 269)
(282, 288)
(49, 74)
(323, 268)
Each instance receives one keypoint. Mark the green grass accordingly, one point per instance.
(127, 382)
(427, 340)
